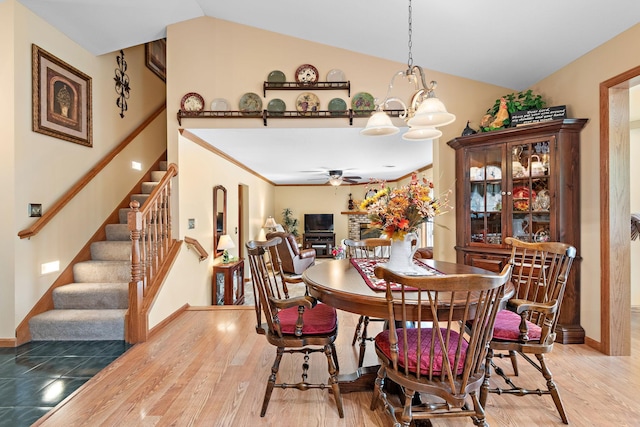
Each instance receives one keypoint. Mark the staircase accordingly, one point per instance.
(93, 308)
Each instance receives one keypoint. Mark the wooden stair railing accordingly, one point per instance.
(200, 251)
(86, 179)
(151, 243)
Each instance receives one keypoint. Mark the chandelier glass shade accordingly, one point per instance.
(423, 112)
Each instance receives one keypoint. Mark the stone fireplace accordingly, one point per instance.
(360, 226)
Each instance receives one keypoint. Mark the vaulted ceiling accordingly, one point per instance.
(509, 43)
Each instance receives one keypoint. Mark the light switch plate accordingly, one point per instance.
(191, 223)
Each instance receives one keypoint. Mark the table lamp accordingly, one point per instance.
(270, 224)
(225, 243)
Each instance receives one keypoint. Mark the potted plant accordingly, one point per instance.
(499, 115)
(290, 223)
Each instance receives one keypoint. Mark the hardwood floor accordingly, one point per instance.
(209, 368)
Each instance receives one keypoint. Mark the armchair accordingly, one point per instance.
(293, 259)
(527, 326)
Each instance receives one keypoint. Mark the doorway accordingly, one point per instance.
(615, 309)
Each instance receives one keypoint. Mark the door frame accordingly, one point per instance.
(615, 262)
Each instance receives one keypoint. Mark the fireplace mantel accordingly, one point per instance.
(354, 213)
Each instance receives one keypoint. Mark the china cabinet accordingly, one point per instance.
(522, 182)
(228, 283)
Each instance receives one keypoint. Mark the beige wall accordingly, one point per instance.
(7, 169)
(577, 86)
(41, 168)
(237, 59)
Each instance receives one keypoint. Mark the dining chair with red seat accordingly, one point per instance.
(527, 325)
(372, 248)
(292, 324)
(427, 350)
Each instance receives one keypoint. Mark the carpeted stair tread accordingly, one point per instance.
(140, 198)
(118, 232)
(102, 271)
(147, 187)
(80, 325)
(156, 176)
(111, 250)
(93, 296)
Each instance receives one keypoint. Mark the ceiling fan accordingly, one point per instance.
(336, 177)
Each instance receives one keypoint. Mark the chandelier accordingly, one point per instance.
(424, 112)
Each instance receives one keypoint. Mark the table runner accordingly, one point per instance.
(366, 267)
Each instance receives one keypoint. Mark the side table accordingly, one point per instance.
(227, 283)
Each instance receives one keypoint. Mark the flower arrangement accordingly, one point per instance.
(338, 252)
(400, 211)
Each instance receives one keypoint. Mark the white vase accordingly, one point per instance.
(401, 254)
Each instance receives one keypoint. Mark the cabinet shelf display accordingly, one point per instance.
(522, 182)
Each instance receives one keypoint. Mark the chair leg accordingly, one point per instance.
(329, 351)
(356, 333)
(553, 389)
(335, 357)
(377, 389)
(484, 388)
(514, 362)
(272, 380)
(363, 341)
(479, 419)
(406, 412)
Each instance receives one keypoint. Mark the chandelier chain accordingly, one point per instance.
(410, 60)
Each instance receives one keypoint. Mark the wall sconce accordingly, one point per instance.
(270, 225)
(225, 243)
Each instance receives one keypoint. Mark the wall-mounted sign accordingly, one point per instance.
(537, 116)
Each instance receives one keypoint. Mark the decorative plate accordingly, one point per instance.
(307, 74)
(276, 76)
(250, 103)
(336, 75)
(337, 106)
(276, 107)
(307, 102)
(220, 104)
(192, 102)
(522, 193)
(363, 101)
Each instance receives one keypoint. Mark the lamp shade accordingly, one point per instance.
(431, 112)
(419, 133)
(271, 223)
(225, 242)
(379, 124)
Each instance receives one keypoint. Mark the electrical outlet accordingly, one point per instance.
(191, 223)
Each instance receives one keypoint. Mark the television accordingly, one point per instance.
(318, 223)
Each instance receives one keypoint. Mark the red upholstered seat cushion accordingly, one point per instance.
(382, 342)
(507, 327)
(319, 320)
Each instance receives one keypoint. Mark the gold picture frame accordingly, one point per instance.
(61, 99)
(156, 57)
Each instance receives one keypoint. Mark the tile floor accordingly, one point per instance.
(38, 375)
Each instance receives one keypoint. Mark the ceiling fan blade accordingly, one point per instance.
(349, 180)
(352, 177)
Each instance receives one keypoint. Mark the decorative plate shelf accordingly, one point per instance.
(265, 115)
(306, 86)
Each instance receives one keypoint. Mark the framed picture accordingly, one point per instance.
(61, 99)
(156, 57)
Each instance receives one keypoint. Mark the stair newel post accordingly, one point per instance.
(134, 323)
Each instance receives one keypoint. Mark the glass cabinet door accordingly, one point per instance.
(485, 195)
(531, 196)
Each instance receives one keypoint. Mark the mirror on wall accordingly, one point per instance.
(219, 216)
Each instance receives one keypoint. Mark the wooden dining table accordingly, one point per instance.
(339, 284)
